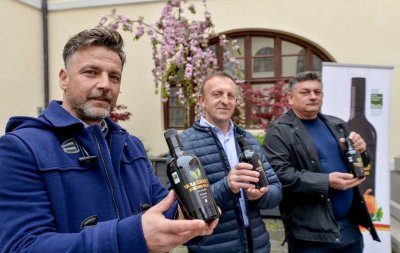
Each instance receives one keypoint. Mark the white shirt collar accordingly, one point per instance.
(204, 122)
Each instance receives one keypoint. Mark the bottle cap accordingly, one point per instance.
(241, 141)
(348, 143)
(170, 132)
(172, 137)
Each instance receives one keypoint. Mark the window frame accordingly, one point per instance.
(309, 47)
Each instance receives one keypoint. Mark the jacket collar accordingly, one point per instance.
(199, 127)
(290, 118)
(58, 117)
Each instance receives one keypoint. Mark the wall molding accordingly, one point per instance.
(79, 4)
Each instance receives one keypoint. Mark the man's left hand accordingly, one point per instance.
(254, 194)
(357, 141)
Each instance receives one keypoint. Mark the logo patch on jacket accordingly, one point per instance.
(70, 146)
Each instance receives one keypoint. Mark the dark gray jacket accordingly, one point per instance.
(230, 235)
(306, 209)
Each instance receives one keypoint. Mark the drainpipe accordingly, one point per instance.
(45, 53)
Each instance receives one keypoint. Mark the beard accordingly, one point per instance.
(88, 110)
(91, 113)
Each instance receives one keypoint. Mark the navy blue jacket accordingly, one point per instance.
(230, 234)
(48, 198)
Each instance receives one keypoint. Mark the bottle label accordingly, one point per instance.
(196, 185)
(188, 179)
(193, 188)
(195, 180)
(259, 165)
(175, 177)
(358, 162)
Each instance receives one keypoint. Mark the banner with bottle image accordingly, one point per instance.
(360, 95)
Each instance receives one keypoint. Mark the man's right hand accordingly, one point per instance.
(162, 234)
(241, 176)
(343, 181)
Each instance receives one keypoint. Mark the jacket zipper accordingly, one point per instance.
(108, 177)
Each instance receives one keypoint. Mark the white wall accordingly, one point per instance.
(357, 32)
(21, 61)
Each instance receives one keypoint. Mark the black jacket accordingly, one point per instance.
(306, 209)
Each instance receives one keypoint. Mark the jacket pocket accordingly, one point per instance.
(134, 159)
(128, 157)
(313, 215)
(67, 162)
(132, 152)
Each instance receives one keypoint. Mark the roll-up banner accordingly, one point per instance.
(360, 95)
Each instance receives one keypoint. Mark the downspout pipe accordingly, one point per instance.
(45, 53)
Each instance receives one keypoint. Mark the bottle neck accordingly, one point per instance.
(349, 145)
(177, 151)
(357, 106)
(242, 143)
(175, 146)
(246, 147)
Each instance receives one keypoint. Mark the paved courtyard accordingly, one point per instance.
(276, 232)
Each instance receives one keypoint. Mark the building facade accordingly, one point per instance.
(279, 38)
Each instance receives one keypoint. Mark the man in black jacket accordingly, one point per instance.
(322, 205)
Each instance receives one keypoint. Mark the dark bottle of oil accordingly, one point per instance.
(355, 160)
(359, 123)
(188, 179)
(249, 156)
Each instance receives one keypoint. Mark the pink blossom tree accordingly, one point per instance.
(120, 114)
(181, 53)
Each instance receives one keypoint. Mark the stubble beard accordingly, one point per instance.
(87, 111)
(91, 113)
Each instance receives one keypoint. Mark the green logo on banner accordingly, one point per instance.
(376, 101)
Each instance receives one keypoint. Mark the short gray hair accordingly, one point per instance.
(303, 76)
(98, 36)
(212, 75)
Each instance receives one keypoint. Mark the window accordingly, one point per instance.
(263, 62)
(176, 112)
(266, 58)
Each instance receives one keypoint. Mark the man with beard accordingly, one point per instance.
(72, 180)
